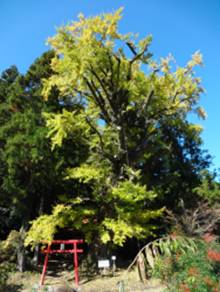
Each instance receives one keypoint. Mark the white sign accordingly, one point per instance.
(103, 264)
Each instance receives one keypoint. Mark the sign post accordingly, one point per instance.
(104, 265)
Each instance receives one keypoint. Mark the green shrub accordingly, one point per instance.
(8, 252)
(9, 247)
(5, 270)
(190, 271)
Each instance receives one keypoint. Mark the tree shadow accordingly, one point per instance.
(12, 288)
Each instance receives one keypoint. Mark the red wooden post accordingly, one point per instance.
(45, 265)
(76, 264)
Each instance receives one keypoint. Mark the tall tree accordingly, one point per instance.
(31, 174)
(7, 78)
(133, 116)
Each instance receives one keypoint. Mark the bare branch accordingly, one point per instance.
(131, 46)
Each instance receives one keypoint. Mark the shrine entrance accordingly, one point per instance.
(73, 250)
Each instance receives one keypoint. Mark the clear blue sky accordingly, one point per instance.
(179, 27)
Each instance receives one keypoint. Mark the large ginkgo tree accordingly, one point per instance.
(127, 105)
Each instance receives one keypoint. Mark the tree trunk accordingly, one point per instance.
(97, 251)
(35, 259)
(21, 261)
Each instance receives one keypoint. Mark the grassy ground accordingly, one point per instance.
(29, 282)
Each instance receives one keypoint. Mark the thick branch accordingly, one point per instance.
(97, 100)
(100, 139)
(131, 47)
(108, 97)
(111, 68)
(145, 103)
(136, 55)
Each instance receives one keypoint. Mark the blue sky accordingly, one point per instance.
(178, 27)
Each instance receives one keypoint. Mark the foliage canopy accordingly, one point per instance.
(131, 112)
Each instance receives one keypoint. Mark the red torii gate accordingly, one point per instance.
(74, 251)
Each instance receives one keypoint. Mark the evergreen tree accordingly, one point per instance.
(31, 173)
